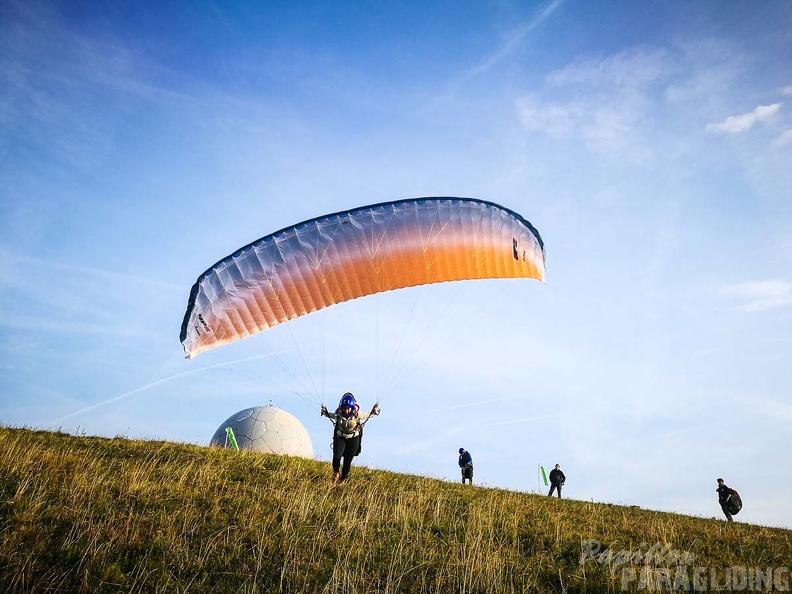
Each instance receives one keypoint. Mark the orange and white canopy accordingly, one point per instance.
(345, 255)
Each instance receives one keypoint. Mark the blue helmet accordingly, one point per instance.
(347, 400)
(461, 450)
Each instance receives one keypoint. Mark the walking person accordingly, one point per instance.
(557, 480)
(348, 433)
(724, 498)
(466, 465)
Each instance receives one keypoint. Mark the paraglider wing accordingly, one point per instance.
(342, 256)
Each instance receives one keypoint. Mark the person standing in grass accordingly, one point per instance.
(724, 494)
(348, 433)
(466, 465)
(557, 480)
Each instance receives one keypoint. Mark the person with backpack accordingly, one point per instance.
(466, 465)
(557, 480)
(348, 433)
(728, 499)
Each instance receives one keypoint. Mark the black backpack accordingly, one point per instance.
(735, 503)
(360, 441)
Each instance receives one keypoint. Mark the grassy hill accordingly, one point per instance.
(86, 514)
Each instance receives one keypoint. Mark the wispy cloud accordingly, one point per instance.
(612, 96)
(555, 119)
(157, 383)
(66, 92)
(75, 299)
(510, 44)
(635, 67)
(784, 139)
(604, 123)
(746, 121)
(775, 409)
(6, 258)
(787, 90)
(761, 295)
(766, 407)
(526, 420)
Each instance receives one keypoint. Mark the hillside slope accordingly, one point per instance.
(86, 514)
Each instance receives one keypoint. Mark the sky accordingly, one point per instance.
(650, 143)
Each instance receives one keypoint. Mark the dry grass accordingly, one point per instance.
(83, 514)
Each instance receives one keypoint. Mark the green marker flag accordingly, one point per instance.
(544, 476)
(232, 439)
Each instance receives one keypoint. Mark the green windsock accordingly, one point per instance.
(232, 439)
(544, 476)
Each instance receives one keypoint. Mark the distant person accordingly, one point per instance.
(466, 465)
(557, 480)
(348, 433)
(724, 498)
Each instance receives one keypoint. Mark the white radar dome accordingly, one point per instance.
(265, 429)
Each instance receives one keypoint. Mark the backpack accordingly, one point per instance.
(360, 441)
(735, 503)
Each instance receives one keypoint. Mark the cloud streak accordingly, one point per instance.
(746, 121)
(108, 275)
(527, 420)
(762, 295)
(777, 410)
(157, 383)
(511, 43)
(635, 67)
(612, 98)
(784, 139)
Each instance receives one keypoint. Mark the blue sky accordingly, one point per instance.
(650, 143)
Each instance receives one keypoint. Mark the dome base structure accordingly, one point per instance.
(265, 429)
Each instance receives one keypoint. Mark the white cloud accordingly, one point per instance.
(555, 119)
(609, 129)
(743, 122)
(775, 409)
(607, 119)
(606, 124)
(706, 70)
(787, 90)
(784, 139)
(636, 67)
(766, 407)
(762, 295)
